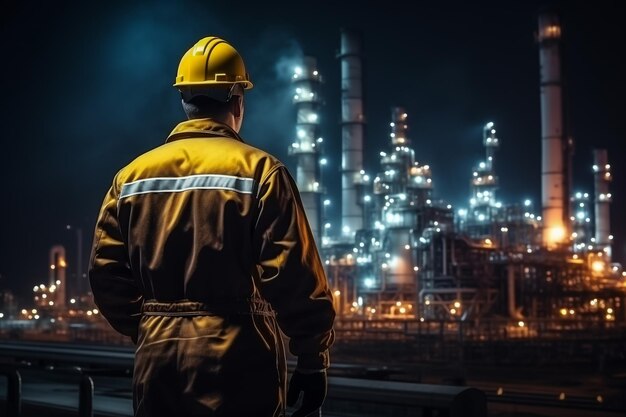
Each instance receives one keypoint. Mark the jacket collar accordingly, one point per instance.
(202, 128)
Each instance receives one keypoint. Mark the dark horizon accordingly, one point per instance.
(89, 88)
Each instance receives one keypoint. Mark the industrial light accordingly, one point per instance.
(597, 266)
(527, 202)
(556, 234)
(327, 202)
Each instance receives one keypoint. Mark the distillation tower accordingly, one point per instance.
(307, 145)
(57, 282)
(602, 174)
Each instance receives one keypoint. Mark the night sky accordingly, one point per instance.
(87, 87)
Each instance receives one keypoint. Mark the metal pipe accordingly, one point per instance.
(353, 122)
(514, 313)
(602, 174)
(553, 184)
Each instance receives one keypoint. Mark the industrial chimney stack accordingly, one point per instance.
(553, 148)
(352, 132)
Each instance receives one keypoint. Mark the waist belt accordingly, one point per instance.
(186, 308)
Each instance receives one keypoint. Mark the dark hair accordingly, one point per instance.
(201, 107)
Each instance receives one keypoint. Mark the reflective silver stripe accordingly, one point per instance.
(192, 182)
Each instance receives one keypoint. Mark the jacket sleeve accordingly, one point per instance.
(114, 289)
(290, 273)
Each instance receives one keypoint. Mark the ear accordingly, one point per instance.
(237, 103)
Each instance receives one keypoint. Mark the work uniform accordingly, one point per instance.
(201, 252)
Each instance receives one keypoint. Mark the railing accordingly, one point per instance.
(13, 406)
(14, 388)
(370, 397)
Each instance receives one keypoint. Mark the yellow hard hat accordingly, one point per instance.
(212, 62)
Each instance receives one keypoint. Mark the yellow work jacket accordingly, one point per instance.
(206, 218)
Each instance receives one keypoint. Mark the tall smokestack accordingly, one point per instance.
(602, 174)
(553, 181)
(306, 80)
(352, 131)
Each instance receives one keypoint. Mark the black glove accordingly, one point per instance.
(313, 387)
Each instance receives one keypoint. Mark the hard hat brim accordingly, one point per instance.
(247, 85)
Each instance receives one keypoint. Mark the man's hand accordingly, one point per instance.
(313, 386)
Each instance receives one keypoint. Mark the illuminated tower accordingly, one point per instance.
(57, 280)
(580, 222)
(484, 183)
(306, 147)
(403, 209)
(602, 173)
(553, 149)
(353, 122)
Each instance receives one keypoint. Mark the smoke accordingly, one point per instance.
(270, 114)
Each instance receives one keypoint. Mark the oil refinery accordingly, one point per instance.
(400, 253)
